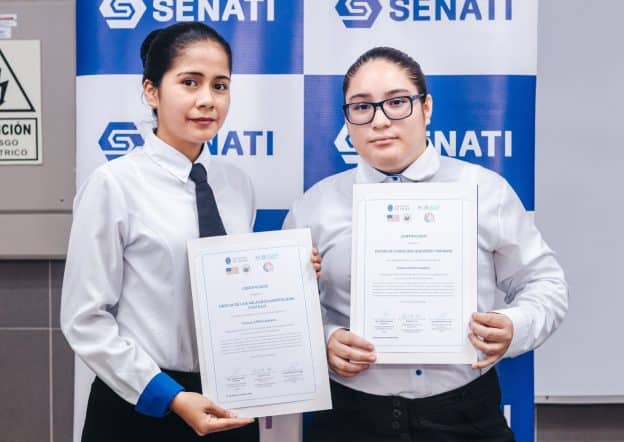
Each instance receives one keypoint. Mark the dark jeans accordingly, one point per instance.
(469, 413)
(112, 419)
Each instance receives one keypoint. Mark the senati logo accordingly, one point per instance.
(460, 144)
(343, 145)
(363, 13)
(358, 13)
(243, 142)
(122, 14)
(213, 10)
(119, 138)
(452, 143)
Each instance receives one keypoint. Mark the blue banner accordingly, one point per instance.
(476, 118)
(267, 34)
(285, 126)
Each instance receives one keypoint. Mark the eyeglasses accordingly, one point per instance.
(395, 108)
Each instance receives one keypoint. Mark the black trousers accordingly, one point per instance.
(112, 419)
(469, 413)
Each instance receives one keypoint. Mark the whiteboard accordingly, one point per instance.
(580, 195)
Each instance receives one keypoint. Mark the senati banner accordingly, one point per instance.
(285, 127)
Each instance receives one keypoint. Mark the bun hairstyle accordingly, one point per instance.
(147, 42)
(391, 55)
(161, 47)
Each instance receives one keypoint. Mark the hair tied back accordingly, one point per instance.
(147, 44)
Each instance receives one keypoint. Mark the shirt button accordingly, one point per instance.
(395, 425)
(396, 413)
(396, 402)
(419, 372)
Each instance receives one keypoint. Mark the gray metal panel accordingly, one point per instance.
(49, 186)
(36, 200)
(34, 235)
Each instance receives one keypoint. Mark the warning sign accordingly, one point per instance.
(20, 102)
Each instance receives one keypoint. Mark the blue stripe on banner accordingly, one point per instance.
(266, 36)
(269, 220)
(327, 149)
(517, 384)
(488, 120)
(493, 120)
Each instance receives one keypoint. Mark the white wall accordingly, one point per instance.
(579, 194)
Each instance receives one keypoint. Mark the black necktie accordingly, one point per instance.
(210, 223)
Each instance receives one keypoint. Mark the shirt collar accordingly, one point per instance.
(422, 169)
(171, 159)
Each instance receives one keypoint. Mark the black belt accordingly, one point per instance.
(486, 384)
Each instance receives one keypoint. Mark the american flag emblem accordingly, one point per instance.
(392, 218)
(231, 270)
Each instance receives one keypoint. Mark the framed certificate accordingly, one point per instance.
(414, 271)
(258, 321)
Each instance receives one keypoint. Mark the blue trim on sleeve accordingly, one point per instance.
(158, 394)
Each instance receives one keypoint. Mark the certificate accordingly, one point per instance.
(258, 322)
(414, 271)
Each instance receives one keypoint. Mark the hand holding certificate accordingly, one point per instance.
(414, 272)
(258, 322)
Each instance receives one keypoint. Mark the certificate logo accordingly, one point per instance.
(232, 270)
(236, 265)
(429, 217)
(393, 218)
(268, 266)
(398, 212)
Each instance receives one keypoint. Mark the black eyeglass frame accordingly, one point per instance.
(379, 104)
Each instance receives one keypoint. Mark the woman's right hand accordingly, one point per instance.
(349, 354)
(204, 416)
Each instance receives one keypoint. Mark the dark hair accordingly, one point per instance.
(162, 46)
(392, 55)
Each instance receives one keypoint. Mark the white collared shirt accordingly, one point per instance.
(517, 272)
(126, 303)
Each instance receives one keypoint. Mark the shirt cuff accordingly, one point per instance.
(521, 327)
(157, 395)
(331, 328)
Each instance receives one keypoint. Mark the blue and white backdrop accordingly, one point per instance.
(285, 126)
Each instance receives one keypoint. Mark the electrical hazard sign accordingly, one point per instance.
(20, 102)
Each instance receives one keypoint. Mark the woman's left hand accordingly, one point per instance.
(491, 333)
(316, 262)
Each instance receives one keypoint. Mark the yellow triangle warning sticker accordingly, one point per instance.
(20, 102)
(13, 97)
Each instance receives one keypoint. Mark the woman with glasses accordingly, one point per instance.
(522, 294)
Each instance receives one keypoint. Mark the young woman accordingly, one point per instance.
(387, 109)
(126, 305)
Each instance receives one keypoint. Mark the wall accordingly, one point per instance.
(579, 200)
(36, 364)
